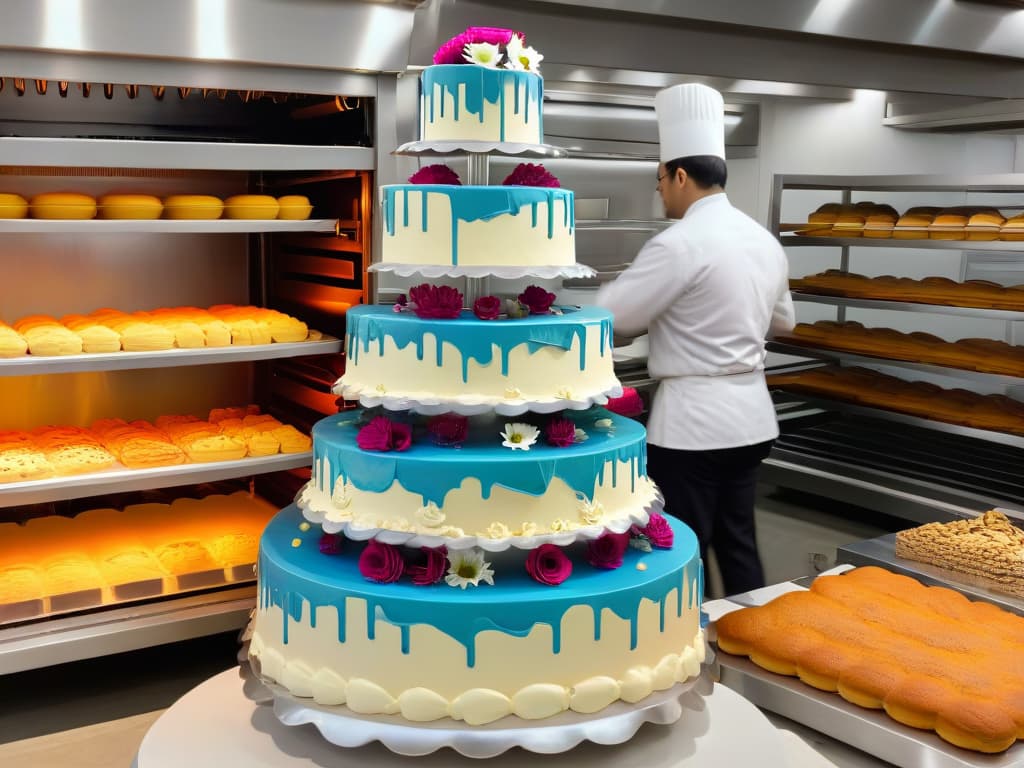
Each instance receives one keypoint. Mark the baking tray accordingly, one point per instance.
(869, 730)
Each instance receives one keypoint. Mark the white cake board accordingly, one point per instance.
(217, 725)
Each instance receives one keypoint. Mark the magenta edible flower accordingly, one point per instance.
(629, 404)
(449, 429)
(433, 568)
(537, 299)
(561, 432)
(531, 175)
(381, 562)
(658, 531)
(330, 544)
(436, 302)
(451, 52)
(382, 434)
(487, 307)
(435, 174)
(607, 551)
(548, 564)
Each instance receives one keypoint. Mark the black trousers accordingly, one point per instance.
(713, 492)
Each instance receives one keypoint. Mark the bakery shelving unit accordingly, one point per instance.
(321, 260)
(911, 468)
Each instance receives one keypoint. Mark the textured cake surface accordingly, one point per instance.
(441, 224)
(515, 647)
(565, 360)
(483, 489)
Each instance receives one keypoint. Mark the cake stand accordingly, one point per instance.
(219, 724)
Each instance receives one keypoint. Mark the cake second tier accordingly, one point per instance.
(540, 363)
(483, 492)
(470, 226)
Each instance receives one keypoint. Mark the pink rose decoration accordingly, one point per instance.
(382, 434)
(530, 175)
(607, 551)
(381, 562)
(401, 436)
(438, 302)
(561, 432)
(330, 544)
(451, 51)
(487, 307)
(537, 299)
(629, 404)
(658, 531)
(433, 568)
(435, 174)
(448, 429)
(375, 436)
(548, 565)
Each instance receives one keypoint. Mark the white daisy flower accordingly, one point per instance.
(520, 435)
(580, 436)
(467, 567)
(531, 59)
(484, 54)
(514, 50)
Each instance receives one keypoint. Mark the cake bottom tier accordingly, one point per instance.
(517, 647)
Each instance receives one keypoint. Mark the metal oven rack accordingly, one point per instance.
(911, 468)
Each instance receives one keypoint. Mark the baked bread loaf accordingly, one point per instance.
(1013, 228)
(985, 225)
(864, 386)
(12, 343)
(951, 223)
(926, 655)
(929, 290)
(879, 221)
(982, 355)
(988, 547)
(914, 223)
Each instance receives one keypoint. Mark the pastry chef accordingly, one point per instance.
(708, 290)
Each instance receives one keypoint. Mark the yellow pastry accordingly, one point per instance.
(12, 343)
(193, 207)
(251, 207)
(294, 207)
(62, 205)
(13, 206)
(130, 207)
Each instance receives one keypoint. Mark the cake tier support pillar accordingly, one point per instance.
(477, 171)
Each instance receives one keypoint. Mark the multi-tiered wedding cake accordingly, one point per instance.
(481, 539)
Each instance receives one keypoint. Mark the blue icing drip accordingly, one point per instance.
(291, 578)
(473, 339)
(479, 84)
(476, 203)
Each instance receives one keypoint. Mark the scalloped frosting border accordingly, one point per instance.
(476, 706)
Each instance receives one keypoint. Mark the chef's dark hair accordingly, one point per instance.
(707, 170)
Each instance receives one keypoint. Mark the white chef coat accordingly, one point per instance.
(708, 290)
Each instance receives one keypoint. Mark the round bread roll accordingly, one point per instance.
(62, 205)
(130, 207)
(13, 206)
(251, 207)
(294, 207)
(193, 207)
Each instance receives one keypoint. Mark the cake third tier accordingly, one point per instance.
(540, 363)
(484, 492)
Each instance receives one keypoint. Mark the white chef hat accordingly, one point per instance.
(691, 121)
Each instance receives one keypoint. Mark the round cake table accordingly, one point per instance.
(216, 724)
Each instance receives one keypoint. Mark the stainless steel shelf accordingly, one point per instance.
(1004, 246)
(854, 409)
(169, 358)
(624, 225)
(908, 306)
(104, 226)
(119, 479)
(99, 633)
(995, 182)
(882, 552)
(818, 353)
(869, 730)
(209, 155)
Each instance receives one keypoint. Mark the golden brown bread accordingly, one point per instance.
(913, 224)
(926, 655)
(983, 355)
(988, 547)
(915, 398)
